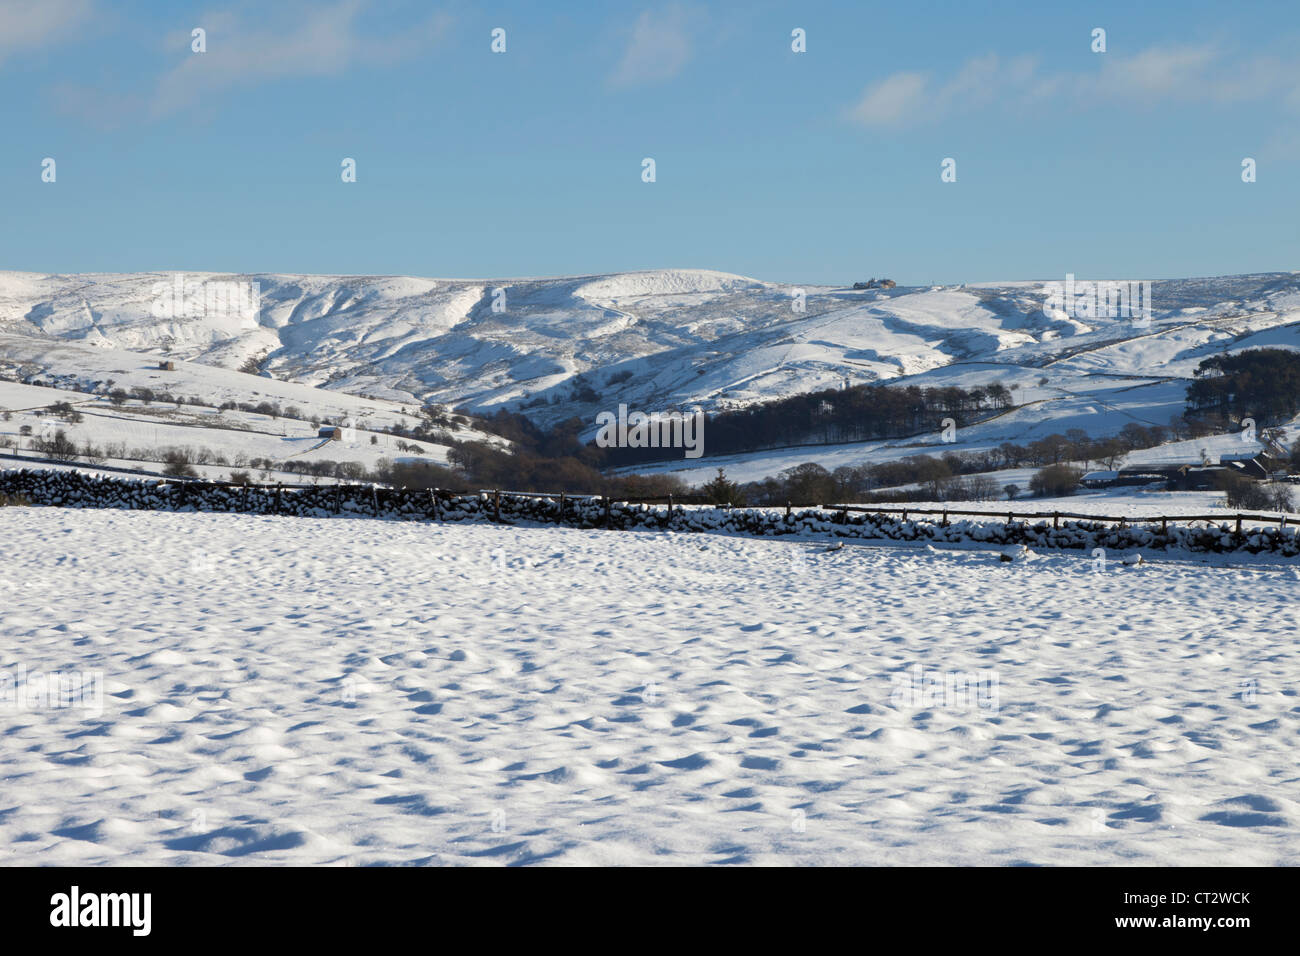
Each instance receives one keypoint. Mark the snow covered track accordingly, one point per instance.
(283, 690)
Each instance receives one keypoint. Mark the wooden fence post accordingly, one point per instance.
(561, 521)
(1238, 523)
(496, 506)
(607, 515)
(338, 498)
(374, 498)
(1056, 520)
(787, 508)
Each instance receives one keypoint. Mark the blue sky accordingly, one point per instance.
(816, 167)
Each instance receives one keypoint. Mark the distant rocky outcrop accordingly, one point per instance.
(875, 284)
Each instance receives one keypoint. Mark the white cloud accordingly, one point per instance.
(27, 25)
(910, 97)
(660, 46)
(1154, 74)
(313, 41)
(892, 99)
(1159, 74)
(98, 106)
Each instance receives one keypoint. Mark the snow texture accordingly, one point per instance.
(296, 690)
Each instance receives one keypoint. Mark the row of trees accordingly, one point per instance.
(810, 484)
(858, 413)
(477, 465)
(952, 476)
(1256, 496)
(1262, 384)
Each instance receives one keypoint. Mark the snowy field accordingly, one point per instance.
(236, 436)
(1115, 502)
(352, 692)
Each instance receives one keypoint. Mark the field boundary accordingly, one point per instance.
(72, 489)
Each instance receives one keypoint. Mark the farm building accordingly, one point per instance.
(1099, 479)
(1188, 475)
(332, 432)
(1250, 464)
(167, 366)
(1126, 477)
(1198, 478)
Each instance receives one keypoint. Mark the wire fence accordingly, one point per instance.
(1055, 516)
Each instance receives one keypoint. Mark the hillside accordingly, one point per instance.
(377, 348)
(188, 409)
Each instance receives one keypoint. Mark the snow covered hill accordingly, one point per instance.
(189, 408)
(652, 339)
(573, 346)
